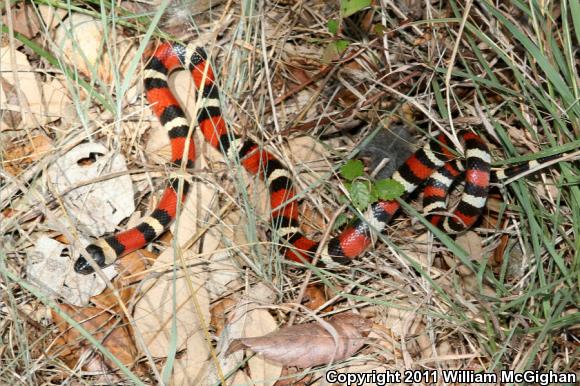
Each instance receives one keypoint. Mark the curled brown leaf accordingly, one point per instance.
(310, 344)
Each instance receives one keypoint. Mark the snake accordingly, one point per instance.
(434, 167)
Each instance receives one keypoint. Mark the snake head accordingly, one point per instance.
(82, 265)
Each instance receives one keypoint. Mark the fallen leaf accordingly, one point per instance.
(96, 207)
(49, 266)
(29, 20)
(57, 102)
(260, 322)
(51, 16)
(310, 158)
(19, 155)
(10, 118)
(399, 319)
(224, 271)
(166, 297)
(310, 344)
(218, 314)
(334, 50)
(130, 268)
(471, 242)
(80, 38)
(192, 367)
(106, 327)
(20, 93)
(240, 378)
(522, 138)
(314, 297)
(422, 39)
(24, 20)
(197, 211)
(245, 318)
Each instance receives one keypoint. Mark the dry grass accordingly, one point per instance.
(511, 73)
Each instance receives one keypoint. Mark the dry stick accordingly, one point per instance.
(354, 108)
(321, 245)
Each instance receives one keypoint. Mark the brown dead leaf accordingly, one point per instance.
(493, 207)
(105, 319)
(200, 202)
(24, 20)
(310, 344)
(311, 155)
(107, 300)
(29, 21)
(314, 297)
(166, 297)
(522, 138)
(471, 242)
(218, 314)
(399, 320)
(105, 326)
(497, 258)
(51, 16)
(312, 220)
(57, 102)
(81, 41)
(300, 75)
(8, 93)
(25, 101)
(19, 155)
(132, 267)
(192, 367)
(408, 113)
(20, 92)
(259, 322)
(422, 39)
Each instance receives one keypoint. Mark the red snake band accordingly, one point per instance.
(433, 166)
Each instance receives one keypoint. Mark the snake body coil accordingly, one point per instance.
(433, 166)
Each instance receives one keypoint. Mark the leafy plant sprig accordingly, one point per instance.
(362, 191)
(347, 8)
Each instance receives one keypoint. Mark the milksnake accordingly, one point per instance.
(433, 166)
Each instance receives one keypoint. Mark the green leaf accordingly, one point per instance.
(349, 7)
(334, 49)
(341, 45)
(389, 189)
(360, 194)
(332, 26)
(343, 200)
(340, 221)
(374, 194)
(352, 169)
